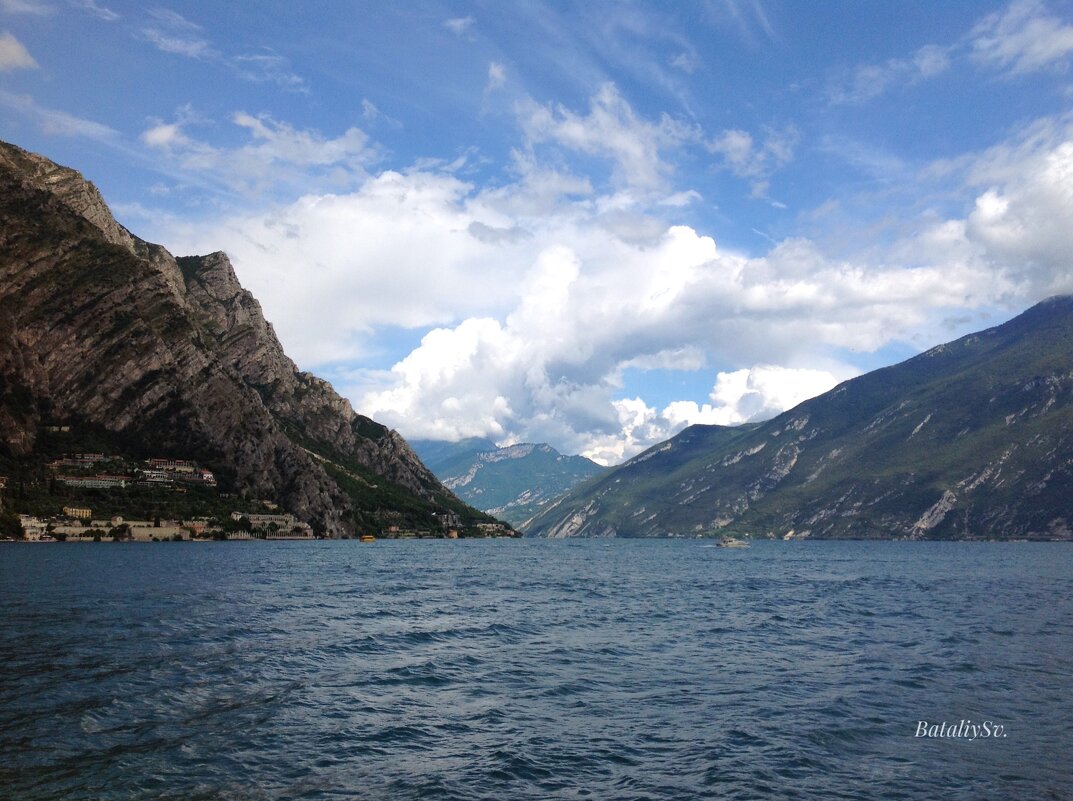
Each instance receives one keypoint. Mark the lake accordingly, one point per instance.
(527, 669)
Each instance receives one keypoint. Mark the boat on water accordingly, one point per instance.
(366, 538)
(732, 542)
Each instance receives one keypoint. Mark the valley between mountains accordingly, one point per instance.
(143, 353)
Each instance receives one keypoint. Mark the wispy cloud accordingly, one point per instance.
(13, 55)
(612, 130)
(686, 62)
(173, 33)
(746, 157)
(1024, 38)
(459, 26)
(100, 12)
(748, 17)
(497, 76)
(275, 155)
(55, 122)
(32, 7)
(269, 67)
(867, 81)
(877, 163)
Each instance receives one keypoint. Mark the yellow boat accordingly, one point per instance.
(366, 538)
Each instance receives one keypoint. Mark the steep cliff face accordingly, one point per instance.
(99, 326)
(973, 439)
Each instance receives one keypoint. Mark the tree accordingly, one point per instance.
(10, 525)
(120, 532)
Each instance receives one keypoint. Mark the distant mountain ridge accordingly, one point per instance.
(972, 439)
(513, 482)
(101, 327)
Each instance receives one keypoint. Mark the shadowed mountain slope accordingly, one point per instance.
(972, 439)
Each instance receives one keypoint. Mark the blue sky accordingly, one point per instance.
(588, 224)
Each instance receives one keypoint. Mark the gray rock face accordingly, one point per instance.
(97, 325)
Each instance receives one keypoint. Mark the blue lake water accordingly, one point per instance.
(534, 670)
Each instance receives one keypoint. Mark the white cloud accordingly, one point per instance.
(751, 394)
(550, 368)
(1024, 225)
(54, 122)
(459, 25)
(868, 81)
(90, 7)
(612, 130)
(32, 7)
(747, 158)
(13, 55)
(497, 76)
(1023, 38)
(174, 33)
(269, 67)
(276, 155)
(543, 293)
(686, 62)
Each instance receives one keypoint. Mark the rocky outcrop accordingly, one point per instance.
(99, 326)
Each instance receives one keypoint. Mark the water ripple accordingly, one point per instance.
(533, 670)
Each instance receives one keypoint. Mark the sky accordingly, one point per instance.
(587, 224)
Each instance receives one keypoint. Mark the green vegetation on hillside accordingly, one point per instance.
(973, 439)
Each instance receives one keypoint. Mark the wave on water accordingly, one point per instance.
(543, 670)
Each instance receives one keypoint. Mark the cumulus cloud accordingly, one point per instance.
(550, 369)
(1023, 225)
(542, 298)
(13, 55)
(751, 394)
(1023, 38)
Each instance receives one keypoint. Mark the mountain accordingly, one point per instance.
(513, 483)
(972, 439)
(443, 457)
(101, 329)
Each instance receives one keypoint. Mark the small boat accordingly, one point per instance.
(732, 542)
(366, 538)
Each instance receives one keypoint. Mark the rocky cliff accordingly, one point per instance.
(972, 439)
(101, 327)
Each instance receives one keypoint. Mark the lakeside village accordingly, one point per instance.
(76, 480)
